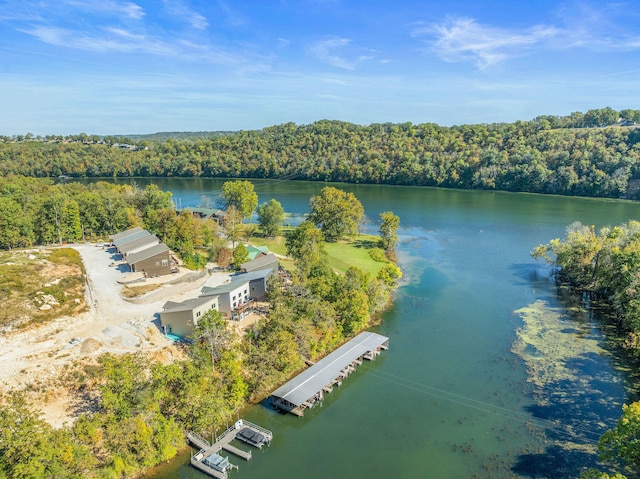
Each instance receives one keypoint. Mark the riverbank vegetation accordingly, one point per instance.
(135, 411)
(589, 154)
(604, 267)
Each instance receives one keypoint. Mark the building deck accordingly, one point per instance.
(308, 387)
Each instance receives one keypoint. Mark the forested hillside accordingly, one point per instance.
(588, 154)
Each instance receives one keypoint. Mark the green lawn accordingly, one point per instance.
(341, 254)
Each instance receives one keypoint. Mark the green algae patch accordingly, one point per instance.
(547, 342)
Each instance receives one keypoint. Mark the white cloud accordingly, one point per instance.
(463, 39)
(332, 51)
(459, 39)
(178, 9)
(111, 39)
(126, 9)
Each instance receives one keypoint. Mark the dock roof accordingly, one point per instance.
(310, 381)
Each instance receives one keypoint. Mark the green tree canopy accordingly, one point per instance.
(240, 255)
(337, 213)
(620, 446)
(389, 230)
(10, 222)
(270, 217)
(242, 195)
(211, 335)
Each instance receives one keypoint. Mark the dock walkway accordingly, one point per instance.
(241, 430)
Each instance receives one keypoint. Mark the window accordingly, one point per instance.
(165, 262)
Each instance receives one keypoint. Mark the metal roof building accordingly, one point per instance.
(119, 243)
(308, 386)
(125, 233)
(139, 244)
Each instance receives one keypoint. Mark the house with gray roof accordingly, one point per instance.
(236, 295)
(120, 242)
(153, 261)
(122, 234)
(181, 318)
(265, 261)
(138, 245)
(207, 214)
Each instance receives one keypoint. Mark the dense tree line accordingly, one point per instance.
(573, 155)
(39, 212)
(604, 264)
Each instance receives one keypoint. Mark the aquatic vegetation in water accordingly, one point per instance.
(547, 342)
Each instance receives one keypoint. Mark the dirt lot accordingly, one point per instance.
(34, 357)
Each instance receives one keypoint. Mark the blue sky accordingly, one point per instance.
(123, 67)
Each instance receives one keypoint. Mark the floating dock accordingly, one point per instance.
(208, 458)
(308, 387)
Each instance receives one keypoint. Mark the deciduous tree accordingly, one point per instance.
(270, 217)
(242, 195)
(337, 213)
(389, 230)
(212, 335)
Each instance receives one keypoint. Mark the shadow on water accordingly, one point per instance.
(554, 463)
(530, 274)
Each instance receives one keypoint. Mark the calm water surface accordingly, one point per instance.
(450, 399)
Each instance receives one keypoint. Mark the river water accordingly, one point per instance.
(490, 373)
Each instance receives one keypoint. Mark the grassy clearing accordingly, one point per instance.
(341, 254)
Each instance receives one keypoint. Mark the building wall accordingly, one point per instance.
(238, 295)
(258, 289)
(182, 323)
(157, 265)
(179, 323)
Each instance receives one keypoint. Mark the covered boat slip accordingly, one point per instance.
(309, 386)
(208, 458)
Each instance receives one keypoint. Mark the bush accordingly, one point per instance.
(194, 261)
(377, 254)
